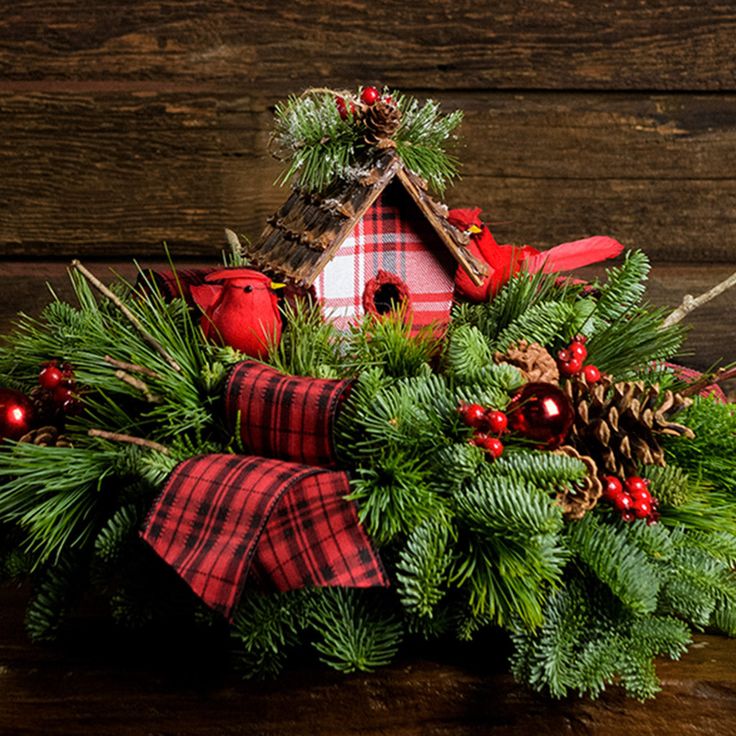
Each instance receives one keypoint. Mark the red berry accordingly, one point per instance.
(635, 485)
(62, 394)
(627, 516)
(592, 374)
(641, 495)
(578, 350)
(612, 487)
(50, 377)
(369, 95)
(497, 421)
(571, 367)
(388, 99)
(623, 502)
(564, 356)
(641, 508)
(342, 107)
(474, 415)
(493, 446)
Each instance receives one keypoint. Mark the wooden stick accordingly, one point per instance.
(689, 302)
(130, 367)
(138, 385)
(129, 439)
(152, 341)
(709, 379)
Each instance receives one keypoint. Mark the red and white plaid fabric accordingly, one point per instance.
(394, 237)
(288, 417)
(219, 513)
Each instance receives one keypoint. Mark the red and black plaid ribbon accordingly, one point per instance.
(218, 514)
(289, 417)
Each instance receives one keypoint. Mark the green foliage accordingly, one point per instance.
(354, 634)
(669, 484)
(624, 287)
(54, 590)
(467, 353)
(422, 567)
(117, 533)
(321, 147)
(52, 494)
(265, 627)
(509, 552)
(623, 567)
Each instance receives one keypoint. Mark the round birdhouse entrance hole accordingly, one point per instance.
(385, 293)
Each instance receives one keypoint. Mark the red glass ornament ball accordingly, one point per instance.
(474, 415)
(612, 487)
(623, 502)
(641, 508)
(571, 367)
(369, 95)
(497, 421)
(541, 412)
(50, 377)
(591, 373)
(578, 350)
(16, 413)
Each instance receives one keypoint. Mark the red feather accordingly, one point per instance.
(569, 256)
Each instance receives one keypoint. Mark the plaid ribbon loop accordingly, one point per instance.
(286, 417)
(220, 515)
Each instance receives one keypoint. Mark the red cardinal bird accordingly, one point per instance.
(240, 309)
(506, 260)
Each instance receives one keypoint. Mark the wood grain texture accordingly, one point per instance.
(227, 45)
(117, 173)
(98, 681)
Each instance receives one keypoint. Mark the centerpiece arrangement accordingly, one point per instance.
(375, 423)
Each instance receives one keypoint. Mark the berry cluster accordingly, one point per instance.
(368, 97)
(485, 423)
(631, 498)
(571, 361)
(59, 385)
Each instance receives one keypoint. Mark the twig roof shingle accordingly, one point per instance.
(305, 233)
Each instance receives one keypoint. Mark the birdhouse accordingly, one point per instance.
(372, 242)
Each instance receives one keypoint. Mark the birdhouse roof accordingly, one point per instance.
(305, 233)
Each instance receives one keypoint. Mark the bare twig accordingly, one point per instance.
(128, 439)
(709, 379)
(130, 367)
(689, 302)
(152, 341)
(138, 385)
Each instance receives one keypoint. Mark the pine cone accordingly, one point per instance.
(619, 424)
(576, 501)
(533, 360)
(47, 437)
(381, 120)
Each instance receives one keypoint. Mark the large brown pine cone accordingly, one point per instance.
(620, 424)
(381, 120)
(533, 360)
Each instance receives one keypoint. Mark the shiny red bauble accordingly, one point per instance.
(474, 415)
(541, 412)
(612, 487)
(369, 95)
(497, 421)
(591, 374)
(50, 377)
(16, 413)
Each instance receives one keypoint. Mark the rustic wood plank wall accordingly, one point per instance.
(126, 124)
